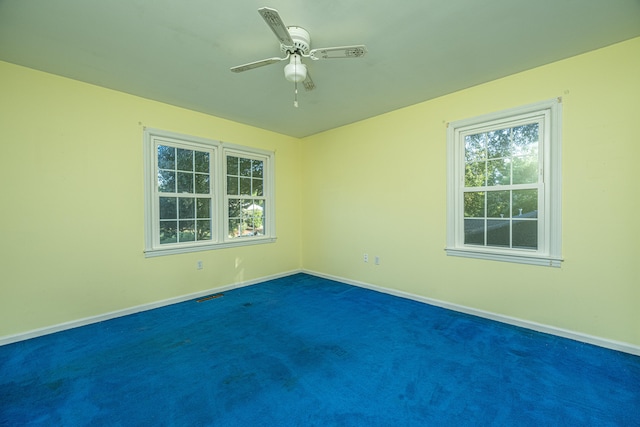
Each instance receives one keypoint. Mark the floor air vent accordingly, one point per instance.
(210, 297)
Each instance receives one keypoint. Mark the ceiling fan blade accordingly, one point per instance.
(355, 51)
(308, 83)
(256, 64)
(273, 20)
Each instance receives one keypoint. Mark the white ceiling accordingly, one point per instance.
(180, 51)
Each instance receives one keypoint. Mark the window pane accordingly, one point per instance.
(252, 213)
(203, 208)
(474, 205)
(499, 143)
(525, 203)
(260, 217)
(498, 233)
(166, 181)
(257, 168)
(257, 189)
(185, 182)
(202, 184)
(185, 160)
(202, 162)
(525, 139)
(234, 208)
(245, 204)
(203, 229)
(168, 232)
(187, 231)
(232, 165)
(525, 234)
(186, 207)
(525, 170)
(260, 214)
(245, 186)
(168, 208)
(474, 232)
(235, 228)
(498, 204)
(474, 174)
(499, 172)
(233, 188)
(474, 149)
(245, 167)
(166, 157)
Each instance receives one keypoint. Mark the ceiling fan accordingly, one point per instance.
(295, 43)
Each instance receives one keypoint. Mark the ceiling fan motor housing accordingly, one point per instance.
(301, 41)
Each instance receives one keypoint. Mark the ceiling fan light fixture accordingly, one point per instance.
(295, 71)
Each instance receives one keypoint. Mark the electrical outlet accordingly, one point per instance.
(365, 258)
(199, 265)
(377, 260)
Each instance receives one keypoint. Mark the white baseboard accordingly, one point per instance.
(576, 336)
(132, 310)
(539, 327)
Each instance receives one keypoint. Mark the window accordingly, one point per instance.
(184, 193)
(202, 194)
(245, 195)
(504, 185)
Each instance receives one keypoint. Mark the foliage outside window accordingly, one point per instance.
(504, 186)
(184, 195)
(202, 194)
(245, 196)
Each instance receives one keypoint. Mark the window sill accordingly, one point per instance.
(149, 253)
(506, 257)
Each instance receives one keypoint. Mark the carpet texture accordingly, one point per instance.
(306, 351)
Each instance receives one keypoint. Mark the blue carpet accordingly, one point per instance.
(305, 351)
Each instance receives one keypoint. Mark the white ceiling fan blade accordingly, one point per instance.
(273, 20)
(355, 51)
(257, 64)
(308, 83)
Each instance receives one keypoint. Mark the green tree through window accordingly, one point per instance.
(503, 164)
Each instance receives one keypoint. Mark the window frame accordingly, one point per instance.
(193, 146)
(235, 152)
(219, 206)
(550, 189)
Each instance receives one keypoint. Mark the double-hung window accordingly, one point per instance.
(202, 194)
(503, 179)
(184, 193)
(245, 197)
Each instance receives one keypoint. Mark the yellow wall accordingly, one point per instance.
(378, 187)
(71, 186)
(71, 222)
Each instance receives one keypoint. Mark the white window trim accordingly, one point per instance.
(550, 236)
(219, 208)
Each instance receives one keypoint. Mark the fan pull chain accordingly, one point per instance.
(295, 85)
